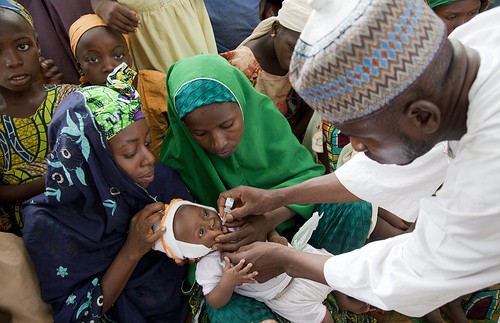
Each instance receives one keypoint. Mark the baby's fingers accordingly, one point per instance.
(249, 278)
(227, 262)
(239, 265)
(246, 269)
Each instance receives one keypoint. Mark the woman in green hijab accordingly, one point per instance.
(223, 133)
(247, 143)
(457, 12)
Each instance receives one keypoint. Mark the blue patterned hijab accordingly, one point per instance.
(77, 227)
(17, 8)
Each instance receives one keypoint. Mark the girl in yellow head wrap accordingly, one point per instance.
(98, 49)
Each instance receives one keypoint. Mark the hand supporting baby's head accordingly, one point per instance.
(190, 229)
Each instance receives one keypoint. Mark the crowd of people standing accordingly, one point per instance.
(370, 124)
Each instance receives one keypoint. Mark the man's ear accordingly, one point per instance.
(423, 115)
(275, 28)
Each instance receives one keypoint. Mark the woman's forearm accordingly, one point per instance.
(15, 194)
(116, 277)
(279, 216)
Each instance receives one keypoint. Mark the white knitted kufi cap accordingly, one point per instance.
(355, 56)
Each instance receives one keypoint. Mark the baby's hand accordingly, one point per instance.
(238, 274)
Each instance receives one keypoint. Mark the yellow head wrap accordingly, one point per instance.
(84, 24)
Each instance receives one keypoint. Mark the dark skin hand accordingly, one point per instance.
(117, 15)
(245, 233)
(256, 253)
(233, 276)
(140, 240)
(50, 72)
(251, 200)
(15, 194)
(262, 201)
(272, 259)
(252, 228)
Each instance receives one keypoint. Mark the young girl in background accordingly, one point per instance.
(98, 49)
(26, 106)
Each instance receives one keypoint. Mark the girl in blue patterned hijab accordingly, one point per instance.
(90, 234)
(17, 8)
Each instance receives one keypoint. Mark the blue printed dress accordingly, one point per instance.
(76, 228)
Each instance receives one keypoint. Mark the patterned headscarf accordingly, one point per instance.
(354, 57)
(437, 3)
(197, 93)
(17, 8)
(75, 229)
(116, 105)
(266, 138)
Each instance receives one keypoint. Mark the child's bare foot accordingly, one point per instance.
(350, 304)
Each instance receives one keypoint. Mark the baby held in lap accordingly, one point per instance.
(190, 233)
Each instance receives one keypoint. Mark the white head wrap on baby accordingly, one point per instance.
(294, 14)
(168, 243)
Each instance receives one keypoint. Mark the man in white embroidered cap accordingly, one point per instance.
(384, 72)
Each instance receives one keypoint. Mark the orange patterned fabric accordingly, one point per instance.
(152, 88)
(274, 86)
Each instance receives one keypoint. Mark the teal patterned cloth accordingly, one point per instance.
(198, 93)
(438, 3)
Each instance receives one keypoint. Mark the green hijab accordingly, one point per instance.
(268, 156)
(438, 3)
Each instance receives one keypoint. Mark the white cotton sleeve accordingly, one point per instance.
(209, 271)
(455, 248)
(398, 189)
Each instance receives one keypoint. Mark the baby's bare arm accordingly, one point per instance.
(232, 277)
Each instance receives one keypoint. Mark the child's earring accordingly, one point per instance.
(273, 34)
